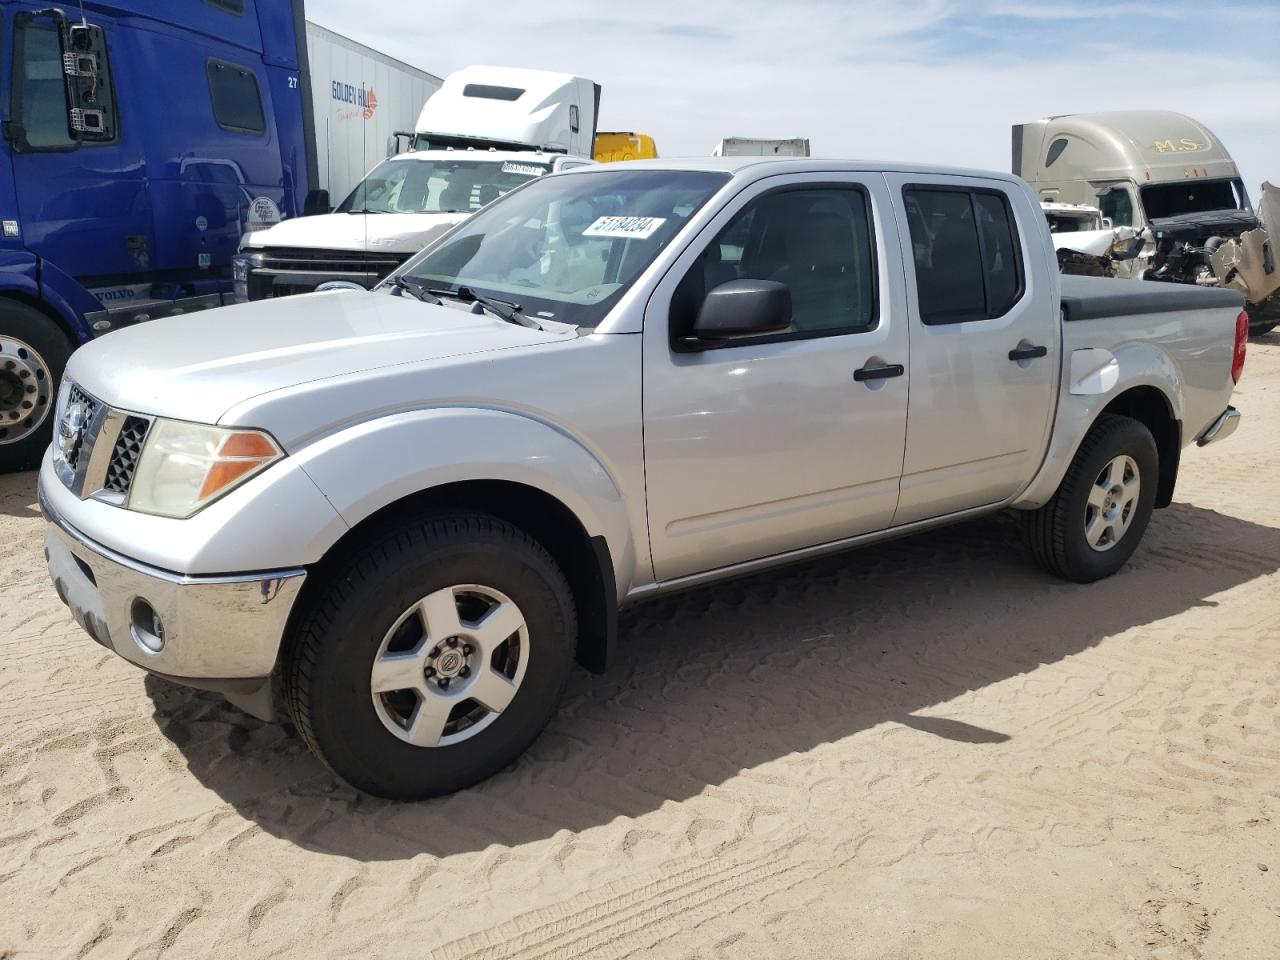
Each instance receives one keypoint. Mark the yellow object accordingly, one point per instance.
(612, 147)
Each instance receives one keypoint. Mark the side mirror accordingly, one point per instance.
(743, 308)
(91, 96)
(316, 201)
(394, 146)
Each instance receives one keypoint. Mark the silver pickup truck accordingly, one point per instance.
(402, 514)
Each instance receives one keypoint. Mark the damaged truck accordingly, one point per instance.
(1172, 182)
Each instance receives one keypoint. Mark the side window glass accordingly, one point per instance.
(944, 239)
(43, 100)
(1117, 205)
(966, 251)
(817, 242)
(999, 253)
(237, 104)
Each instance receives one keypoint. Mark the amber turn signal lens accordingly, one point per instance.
(248, 445)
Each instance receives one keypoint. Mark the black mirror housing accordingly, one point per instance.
(743, 308)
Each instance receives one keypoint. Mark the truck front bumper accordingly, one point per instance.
(218, 633)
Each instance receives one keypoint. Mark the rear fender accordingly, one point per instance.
(1093, 379)
(380, 462)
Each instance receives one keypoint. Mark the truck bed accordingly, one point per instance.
(1093, 298)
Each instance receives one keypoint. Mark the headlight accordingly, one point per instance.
(186, 466)
(241, 265)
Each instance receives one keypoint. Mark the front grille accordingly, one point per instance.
(124, 457)
(96, 447)
(73, 449)
(283, 272)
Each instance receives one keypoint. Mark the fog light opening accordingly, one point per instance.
(146, 626)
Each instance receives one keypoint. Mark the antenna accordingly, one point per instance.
(84, 21)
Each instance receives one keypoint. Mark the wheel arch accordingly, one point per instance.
(1151, 406)
(586, 560)
(1149, 398)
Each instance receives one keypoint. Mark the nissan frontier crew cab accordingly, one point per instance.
(400, 515)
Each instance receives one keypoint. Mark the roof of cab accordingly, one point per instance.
(755, 167)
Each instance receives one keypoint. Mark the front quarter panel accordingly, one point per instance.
(374, 464)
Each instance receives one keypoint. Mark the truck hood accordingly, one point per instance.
(375, 233)
(198, 366)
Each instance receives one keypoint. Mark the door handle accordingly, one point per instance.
(881, 372)
(1028, 353)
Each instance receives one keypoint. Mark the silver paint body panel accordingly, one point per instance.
(691, 466)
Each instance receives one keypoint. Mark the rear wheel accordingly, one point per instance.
(33, 353)
(434, 659)
(1098, 516)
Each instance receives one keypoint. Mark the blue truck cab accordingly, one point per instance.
(140, 139)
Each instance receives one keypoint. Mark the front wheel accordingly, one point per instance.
(1098, 516)
(434, 659)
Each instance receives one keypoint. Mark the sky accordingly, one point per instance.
(935, 81)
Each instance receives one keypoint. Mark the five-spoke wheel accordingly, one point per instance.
(450, 665)
(433, 656)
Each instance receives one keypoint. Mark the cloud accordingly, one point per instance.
(937, 81)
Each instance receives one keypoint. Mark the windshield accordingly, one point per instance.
(1195, 196)
(568, 247)
(409, 185)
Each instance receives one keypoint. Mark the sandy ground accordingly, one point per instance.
(926, 749)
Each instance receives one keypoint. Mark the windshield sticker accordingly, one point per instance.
(640, 228)
(528, 169)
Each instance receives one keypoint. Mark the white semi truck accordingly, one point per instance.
(484, 133)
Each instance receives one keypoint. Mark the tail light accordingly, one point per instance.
(1242, 341)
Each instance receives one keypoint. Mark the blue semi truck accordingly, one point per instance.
(140, 139)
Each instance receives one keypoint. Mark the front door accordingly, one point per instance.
(985, 345)
(769, 444)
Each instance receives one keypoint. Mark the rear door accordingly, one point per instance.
(769, 444)
(985, 348)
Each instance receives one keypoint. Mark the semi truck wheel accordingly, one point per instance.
(1098, 516)
(33, 353)
(433, 658)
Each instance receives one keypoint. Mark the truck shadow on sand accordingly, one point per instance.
(726, 678)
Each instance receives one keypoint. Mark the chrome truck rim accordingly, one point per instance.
(1113, 501)
(450, 665)
(25, 387)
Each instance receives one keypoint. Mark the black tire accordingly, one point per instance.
(31, 346)
(330, 652)
(1056, 532)
(1263, 317)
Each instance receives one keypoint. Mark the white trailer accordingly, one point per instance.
(360, 98)
(751, 147)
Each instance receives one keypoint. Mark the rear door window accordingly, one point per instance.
(237, 102)
(967, 256)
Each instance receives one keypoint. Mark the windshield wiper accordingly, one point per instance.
(502, 309)
(416, 290)
(366, 210)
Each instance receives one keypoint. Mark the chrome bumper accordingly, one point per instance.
(217, 632)
(1221, 428)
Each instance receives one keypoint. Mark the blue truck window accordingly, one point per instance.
(237, 103)
(232, 6)
(39, 89)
